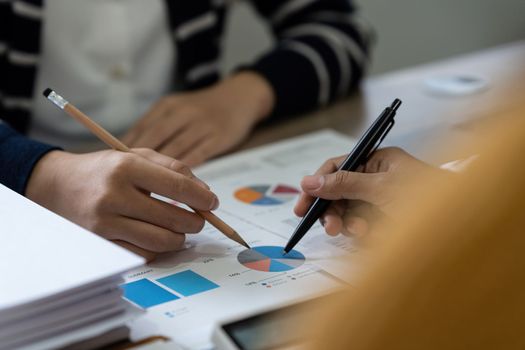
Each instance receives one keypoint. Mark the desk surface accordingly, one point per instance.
(423, 112)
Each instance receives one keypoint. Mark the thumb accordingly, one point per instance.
(344, 185)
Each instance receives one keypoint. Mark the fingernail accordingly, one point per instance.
(215, 203)
(313, 183)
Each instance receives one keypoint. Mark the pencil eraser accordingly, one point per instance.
(47, 92)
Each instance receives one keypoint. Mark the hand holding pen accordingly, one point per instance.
(368, 143)
(360, 198)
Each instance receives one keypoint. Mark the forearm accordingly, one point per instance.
(321, 53)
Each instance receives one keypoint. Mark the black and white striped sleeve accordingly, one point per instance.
(20, 25)
(321, 52)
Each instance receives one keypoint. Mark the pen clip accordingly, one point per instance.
(390, 125)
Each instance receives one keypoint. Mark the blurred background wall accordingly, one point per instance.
(408, 31)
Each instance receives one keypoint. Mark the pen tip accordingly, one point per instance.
(395, 105)
(47, 92)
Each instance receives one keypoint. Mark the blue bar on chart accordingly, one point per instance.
(187, 283)
(146, 294)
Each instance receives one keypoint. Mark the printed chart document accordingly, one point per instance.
(213, 278)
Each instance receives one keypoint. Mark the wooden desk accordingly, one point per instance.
(425, 119)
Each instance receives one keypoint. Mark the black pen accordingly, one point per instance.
(368, 143)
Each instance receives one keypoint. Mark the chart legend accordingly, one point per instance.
(265, 195)
(270, 259)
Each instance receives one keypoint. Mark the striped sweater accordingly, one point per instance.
(320, 53)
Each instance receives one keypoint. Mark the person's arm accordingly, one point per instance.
(108, 192)
(321, 53)
(18, 157)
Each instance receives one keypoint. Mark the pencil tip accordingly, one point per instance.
(47, 92)
(237, 238)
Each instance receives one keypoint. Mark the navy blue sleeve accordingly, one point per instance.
(18, 156)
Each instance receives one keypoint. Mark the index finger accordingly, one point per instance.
(330, 166)
(305, 201)
(169, 163)
(155, 178)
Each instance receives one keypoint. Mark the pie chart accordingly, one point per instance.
(270, 259)
(266, 194)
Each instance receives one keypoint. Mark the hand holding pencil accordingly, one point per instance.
(108, 192)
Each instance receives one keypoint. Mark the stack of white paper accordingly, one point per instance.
(58, 282)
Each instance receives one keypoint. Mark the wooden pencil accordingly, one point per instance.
(116, 144)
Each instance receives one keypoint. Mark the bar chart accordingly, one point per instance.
(147, 293)
(187, 283)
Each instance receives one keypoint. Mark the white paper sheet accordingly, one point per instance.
(44, 255)
(240, 290)
(97, 328)
(58, 281)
